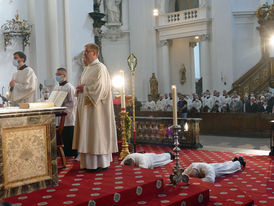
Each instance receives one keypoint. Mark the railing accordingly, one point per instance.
(256, 80)
(183, 16)
(155, 130)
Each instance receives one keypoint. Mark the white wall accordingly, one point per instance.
(116, 48)
(143, 43)
(81, 32)
(182, 53)
(246, 44)
(221, 45)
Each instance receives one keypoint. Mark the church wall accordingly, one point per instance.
(247, 47)
(221, 46)
(143, 43)
(8, 10)
(246, 38)
(115, 48)
(40, 32)
(182, 53)
(81, 33)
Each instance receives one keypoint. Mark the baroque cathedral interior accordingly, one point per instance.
(136, 102)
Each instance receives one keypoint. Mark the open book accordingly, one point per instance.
(57, 97)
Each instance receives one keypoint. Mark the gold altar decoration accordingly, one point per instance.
(128, 127)
(28, 145)
(125, 150)
(154, 87)
(132, 64)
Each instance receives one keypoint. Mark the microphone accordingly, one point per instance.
(4, 99)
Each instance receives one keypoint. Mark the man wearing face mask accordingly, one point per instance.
(70, 103)
(24, 83)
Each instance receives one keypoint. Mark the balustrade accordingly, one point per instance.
(183, 16)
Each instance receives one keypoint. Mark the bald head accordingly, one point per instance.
(93, 47)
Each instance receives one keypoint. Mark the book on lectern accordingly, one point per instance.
(57, 97)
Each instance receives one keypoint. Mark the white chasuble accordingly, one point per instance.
(208, 172)
(149, 160)
(25, 88)
(95, 129)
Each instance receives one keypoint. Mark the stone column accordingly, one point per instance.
(68, 57)
(165, 73)
(192, 45)
(52, 42)
(205, 65)
(32, 46)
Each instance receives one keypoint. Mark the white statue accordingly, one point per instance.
(202, 3)
(112, 8)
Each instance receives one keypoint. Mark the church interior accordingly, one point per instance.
(189, 78)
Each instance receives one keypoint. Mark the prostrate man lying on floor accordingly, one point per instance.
(148, 160)
(208, 172)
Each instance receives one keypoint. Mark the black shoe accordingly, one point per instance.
(241, 160)
(172, 156)
(93, 170)
(100, 169)
(235, 159)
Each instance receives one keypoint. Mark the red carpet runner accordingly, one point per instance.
(134, 186)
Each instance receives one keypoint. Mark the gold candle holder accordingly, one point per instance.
(125, 150)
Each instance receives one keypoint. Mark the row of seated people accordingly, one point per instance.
(214, 103)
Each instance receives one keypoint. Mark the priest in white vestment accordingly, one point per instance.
(148, 160)
(70, 103)
(24, 83)
(208, 172)
(95, 135)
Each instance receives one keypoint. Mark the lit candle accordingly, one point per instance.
(123, 100)
(186, 127)
(174, 100)
(8, 95)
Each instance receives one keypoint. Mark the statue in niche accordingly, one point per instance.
(113, 11)
(183, 74)
(153, 87)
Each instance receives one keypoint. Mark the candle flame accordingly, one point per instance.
(118, 82)
(186, 127)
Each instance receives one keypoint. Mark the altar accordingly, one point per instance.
(28, 159)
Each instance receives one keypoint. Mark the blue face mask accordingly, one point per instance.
(58, 78)
(15, 62)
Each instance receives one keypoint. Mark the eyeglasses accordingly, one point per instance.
(87, 51)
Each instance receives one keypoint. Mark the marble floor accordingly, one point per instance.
(250, 145)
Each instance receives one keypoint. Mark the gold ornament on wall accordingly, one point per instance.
(16, 28)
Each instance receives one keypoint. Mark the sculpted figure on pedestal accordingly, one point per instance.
(153, 86)
(112, 9)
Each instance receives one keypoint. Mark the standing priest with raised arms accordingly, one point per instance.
(95, 135)
(24, 83)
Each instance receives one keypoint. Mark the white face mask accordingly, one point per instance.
(15, 63)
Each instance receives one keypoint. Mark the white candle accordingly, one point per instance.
(174, 100)
(8, 95)
(123, 100)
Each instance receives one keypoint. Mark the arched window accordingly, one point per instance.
(181, 5)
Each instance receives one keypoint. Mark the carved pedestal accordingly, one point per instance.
(28, 159)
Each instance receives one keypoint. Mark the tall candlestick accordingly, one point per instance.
(174, 100)
(123, 100)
